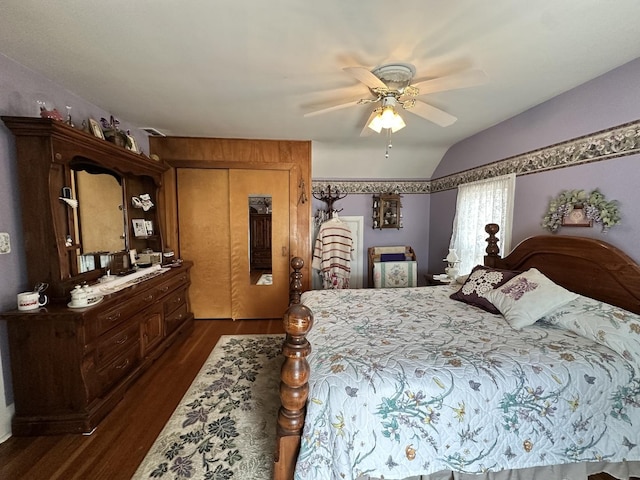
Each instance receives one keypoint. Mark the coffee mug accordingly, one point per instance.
(31, 300)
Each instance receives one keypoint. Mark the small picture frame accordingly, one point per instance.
(139, 227)
(95, 128)
(576, 218)
(148, 224)
(133, 144)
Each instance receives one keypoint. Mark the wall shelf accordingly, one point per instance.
(387, 211)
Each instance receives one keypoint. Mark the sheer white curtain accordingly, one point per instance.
(479, 203)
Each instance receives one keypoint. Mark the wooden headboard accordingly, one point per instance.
(586, 266)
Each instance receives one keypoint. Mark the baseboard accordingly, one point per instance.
(5, 422)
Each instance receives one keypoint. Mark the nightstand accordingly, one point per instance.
(432, 281)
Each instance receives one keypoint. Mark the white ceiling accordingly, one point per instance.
(251, 68)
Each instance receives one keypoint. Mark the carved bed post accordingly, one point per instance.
(493, 251)
(295, 282)
(294, 376)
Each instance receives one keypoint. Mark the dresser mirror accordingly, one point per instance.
(99, 218)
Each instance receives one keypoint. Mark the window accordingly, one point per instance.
(479, 203)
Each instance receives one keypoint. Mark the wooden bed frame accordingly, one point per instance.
(587, 266)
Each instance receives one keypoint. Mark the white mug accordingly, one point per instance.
(31, 300)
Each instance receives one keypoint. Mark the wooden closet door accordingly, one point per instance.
(203, 222)
(248, 299)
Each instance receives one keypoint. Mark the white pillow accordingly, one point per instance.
(528, 297)
(605, 324)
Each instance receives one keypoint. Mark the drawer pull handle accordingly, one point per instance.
(165, 288)
(114, 317)
(148, 298)
(123, 364)
(178, 300)
(122, 340)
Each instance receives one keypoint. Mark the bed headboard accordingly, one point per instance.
(586, 266)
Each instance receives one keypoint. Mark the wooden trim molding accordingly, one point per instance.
(606, 144)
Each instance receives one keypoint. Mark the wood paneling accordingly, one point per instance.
(203, 218)
(239, 153)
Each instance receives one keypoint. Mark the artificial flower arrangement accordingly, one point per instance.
(596, 208)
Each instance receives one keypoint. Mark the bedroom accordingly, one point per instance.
(605, 102)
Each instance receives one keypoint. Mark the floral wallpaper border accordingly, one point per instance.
(611, 143)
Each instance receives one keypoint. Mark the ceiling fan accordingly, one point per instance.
(391, 87)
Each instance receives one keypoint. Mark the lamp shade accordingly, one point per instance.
(387, 117)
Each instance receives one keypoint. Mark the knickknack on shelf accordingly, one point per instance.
(387, 211)
(577, 208)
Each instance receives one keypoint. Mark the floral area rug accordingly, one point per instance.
(225, 425)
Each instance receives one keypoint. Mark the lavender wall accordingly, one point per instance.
(415, 209)
(20, 88)
(604, 102)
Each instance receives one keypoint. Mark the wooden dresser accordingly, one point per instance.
(71, 366)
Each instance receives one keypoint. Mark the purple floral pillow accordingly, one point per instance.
(525, 299)
(481, 280)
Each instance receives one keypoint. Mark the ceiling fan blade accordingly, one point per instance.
(366, 77)
(433, 114)
(336, 106)
(466, 79)
(366, 131)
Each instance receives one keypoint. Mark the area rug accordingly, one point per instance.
(225, 425)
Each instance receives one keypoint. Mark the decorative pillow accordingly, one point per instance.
(605, 324)
(528, 297)
(481, 280)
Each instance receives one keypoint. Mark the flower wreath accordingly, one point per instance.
(596, 208)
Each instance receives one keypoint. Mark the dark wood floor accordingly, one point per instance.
(118, 445)
(121, 440)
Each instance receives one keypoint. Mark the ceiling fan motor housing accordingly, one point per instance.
(396, 76)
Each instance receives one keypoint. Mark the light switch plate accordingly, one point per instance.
(5, 243)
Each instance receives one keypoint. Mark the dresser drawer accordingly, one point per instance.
(115, 316)
(117, 341)
(175, 319)
(118, 368)
(174, 301)
(173, 283)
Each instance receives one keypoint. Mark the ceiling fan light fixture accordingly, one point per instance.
(388, 118)
(398, 123)
(376, 122)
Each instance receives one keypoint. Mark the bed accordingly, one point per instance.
(408, 383)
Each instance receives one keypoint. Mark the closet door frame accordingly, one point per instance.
(228, 152)
(173, 237)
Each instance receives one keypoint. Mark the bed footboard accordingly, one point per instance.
(294, 376)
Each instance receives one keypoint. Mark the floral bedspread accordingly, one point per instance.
(407, 382)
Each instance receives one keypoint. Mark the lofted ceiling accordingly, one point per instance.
(252, 69)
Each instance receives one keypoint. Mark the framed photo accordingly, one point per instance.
(576, 218)
(139, 227)
(148, 225)
(95, 128)
(134, 145)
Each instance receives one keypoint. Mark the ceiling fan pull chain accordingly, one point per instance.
(389, 145)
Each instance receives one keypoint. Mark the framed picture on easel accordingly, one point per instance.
(139, 227)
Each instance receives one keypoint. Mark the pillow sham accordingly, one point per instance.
(479, 281)
(528, 297)
(605, 324)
